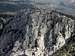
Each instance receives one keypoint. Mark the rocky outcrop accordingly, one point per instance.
(35, 32)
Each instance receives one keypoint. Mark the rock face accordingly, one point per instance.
(35, 32)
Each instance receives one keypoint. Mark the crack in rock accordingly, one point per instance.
(37, 32)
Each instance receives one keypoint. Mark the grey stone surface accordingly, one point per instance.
(35, 32)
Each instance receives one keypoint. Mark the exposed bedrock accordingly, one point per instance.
(35, 32)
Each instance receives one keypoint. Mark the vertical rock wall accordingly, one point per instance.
(35, 32)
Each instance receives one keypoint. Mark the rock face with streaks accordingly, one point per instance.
(35, 32)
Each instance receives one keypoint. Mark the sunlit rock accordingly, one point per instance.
(36, 32)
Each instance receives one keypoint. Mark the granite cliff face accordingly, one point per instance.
(34, 32)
